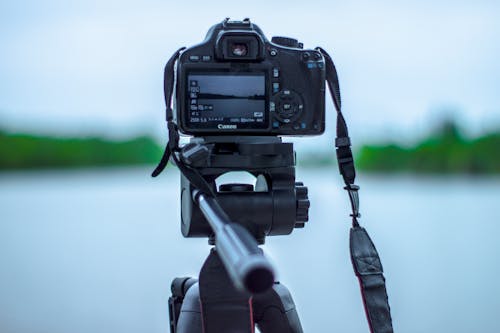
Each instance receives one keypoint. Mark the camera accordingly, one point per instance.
(236, 82)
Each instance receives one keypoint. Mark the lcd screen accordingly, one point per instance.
(219, 99)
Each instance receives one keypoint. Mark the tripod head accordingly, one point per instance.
(241, 214)
(274, 205)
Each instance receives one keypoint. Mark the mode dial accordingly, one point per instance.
(287, 41)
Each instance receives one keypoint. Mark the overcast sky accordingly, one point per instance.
(96, 66)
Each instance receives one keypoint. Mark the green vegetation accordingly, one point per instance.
(22, 151)
(445, 151)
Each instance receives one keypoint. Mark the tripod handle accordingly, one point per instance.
(243, 259)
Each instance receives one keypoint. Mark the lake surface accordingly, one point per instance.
(95, 251)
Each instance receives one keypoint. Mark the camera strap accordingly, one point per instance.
(173, 133)
(172, 147)
(364, 256)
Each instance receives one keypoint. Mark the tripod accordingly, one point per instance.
(236, 288)
(237, 217)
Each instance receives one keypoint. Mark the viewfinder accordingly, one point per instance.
(239, 49)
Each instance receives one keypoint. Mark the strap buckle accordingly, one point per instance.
(352, 190)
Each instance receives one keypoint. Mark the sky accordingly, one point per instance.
(95, 67)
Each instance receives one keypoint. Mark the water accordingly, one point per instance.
(95, 251)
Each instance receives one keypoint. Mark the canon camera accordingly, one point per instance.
(236, 82)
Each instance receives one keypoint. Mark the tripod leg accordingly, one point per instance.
(190, 315)
(275, 312)
(224, 308)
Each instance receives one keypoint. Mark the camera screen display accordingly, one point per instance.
(226, 100)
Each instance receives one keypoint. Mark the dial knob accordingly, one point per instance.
(289, 106)
(302, 213)
(236, 187)
(286, 41)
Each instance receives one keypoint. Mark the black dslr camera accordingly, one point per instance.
(236, 82)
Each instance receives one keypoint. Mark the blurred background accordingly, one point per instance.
(89, 242)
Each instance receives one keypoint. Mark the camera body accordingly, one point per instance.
(236, 82)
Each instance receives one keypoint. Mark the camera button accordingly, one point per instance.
(276, 87)
(272, 107)
(273, 52)
(194, 58)
(206, 58)
(276, 124)
(276, 72)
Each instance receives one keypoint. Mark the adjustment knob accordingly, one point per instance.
(236, 187)
(302, 210)
(286, 41)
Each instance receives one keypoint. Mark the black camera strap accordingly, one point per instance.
(173, 133)
(172, 147)
(364, 256)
